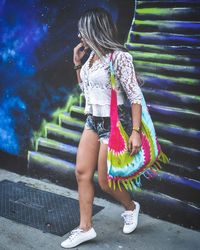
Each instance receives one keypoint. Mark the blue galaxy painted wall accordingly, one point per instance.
(37, 39)
(37, 78)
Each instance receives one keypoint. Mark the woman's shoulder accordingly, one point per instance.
(120, 55)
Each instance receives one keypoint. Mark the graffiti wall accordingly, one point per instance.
(37, 40)
(41, 111)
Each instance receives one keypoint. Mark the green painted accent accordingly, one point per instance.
(45, 128)
(81, 99)
(181, 94)
(71, 101)
(179, 110)
(128, 39)
(186, 130)
(156, 34)
(168, 24)
(179, 80)
(165, 65)
(129, 33)
(164, 141)
(44, 159)
(36, 144)
(170, 143)
(63, 117)
(37, 134)
(61, 131)
(50, 143)
(142, 45)
(156, 56)
(171, 25)
(77, 109)
(161, 48)
(153, 11)
(160, 11)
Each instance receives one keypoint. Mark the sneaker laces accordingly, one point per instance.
(75, 233)
(128, 218)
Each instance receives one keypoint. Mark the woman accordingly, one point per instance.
(98, 33)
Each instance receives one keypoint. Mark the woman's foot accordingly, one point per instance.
(78, 236)
(131, 218)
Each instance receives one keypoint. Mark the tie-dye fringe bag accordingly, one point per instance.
(122, 167)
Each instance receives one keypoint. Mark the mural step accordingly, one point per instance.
(179, 13)
(66, 121)
(182, 188)
(181, 117)
(178, 134)
(56, 149)
(166, 58)
(77, 112)
(82, 100)
(162, 206)
(163, 48)
(167, 69)
(176, 99)
(49, 167)
(165, 82)
(182, 155)
(160, 37)
(60, 134)
(182, 170)
(177, 186)
(168, 3)
(164, 26)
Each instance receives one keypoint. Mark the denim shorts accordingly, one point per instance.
(101, 125)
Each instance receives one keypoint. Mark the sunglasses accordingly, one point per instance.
(79, 35)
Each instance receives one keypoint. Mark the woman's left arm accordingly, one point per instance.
(135, 138)
(126, 74)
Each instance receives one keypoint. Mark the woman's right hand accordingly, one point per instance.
(78, 54)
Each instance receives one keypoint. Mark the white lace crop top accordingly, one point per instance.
(95, 83)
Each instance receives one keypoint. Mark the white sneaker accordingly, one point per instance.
(78, 236)
(131, 219)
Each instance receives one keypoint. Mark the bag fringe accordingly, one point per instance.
(134, 182)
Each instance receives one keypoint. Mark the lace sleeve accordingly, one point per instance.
(81, 83)
(81, 86)
(125, 73)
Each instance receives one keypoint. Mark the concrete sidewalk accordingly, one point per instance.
(151, 233)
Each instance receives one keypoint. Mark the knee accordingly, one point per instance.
(103, 183)
(82, 175)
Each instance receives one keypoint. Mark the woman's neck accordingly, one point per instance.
(104, 53)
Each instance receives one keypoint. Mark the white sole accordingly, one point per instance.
(78, 242)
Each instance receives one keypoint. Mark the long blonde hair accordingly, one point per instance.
(99, 31)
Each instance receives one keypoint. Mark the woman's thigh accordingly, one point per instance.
(102, 164)
(87, 154)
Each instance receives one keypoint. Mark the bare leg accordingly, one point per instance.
(122, 196)
(86, 162)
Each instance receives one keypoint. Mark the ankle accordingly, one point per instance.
(130, 206)
(85, 227)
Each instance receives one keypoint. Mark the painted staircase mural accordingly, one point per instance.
(164, 40)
